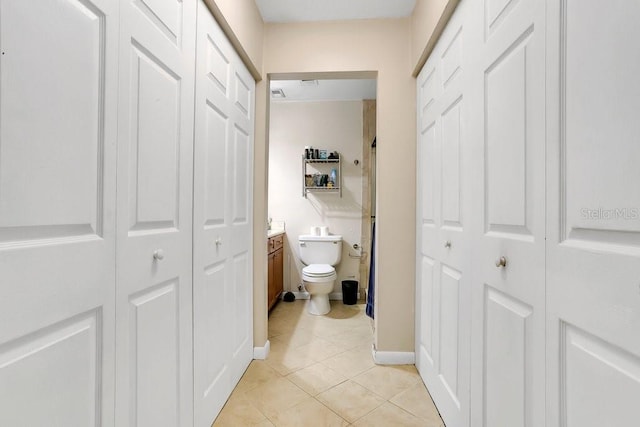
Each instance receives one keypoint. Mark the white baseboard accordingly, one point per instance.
(261, 353)
(393, 357)
(338, 296)
(301, 295)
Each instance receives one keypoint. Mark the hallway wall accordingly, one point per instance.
(382, 46)
(241, 22)
(428, 20)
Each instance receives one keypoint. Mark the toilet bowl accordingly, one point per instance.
(318, 280)
(319, 254)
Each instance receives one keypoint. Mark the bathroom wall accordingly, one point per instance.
(331, 125)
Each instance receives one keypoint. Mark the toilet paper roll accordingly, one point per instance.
(314, 231)
(324, 231)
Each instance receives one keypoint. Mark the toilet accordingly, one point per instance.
(320, 254)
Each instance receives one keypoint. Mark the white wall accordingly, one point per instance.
(331, 125)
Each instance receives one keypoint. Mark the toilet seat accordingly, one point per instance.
(319, 273)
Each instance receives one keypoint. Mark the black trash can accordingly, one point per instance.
(349, 292)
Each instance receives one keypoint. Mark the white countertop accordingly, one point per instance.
(277, 228)
(275, 232)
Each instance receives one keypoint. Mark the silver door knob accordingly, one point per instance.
(447, 244)
(218, 241)
(501, 262)
(158, 254)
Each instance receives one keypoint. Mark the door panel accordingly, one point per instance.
(442, 303)
(152, 310)
(593, 268)
(154, 292)
(451, 58)
(166, 16)
(216, 167)
(37, 192)
(508, 305)
(449, 329)
(243, 309)
(608, 394)
(508, 338)
(451, 129)
(214, 356)
(222, 217)
(506, 160)
(57, 225)
(427, 309)
(154, 147)
(429, 166)
(240, 167)
(65, 357)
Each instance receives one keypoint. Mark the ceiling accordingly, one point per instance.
(325, 90)
(332, 10)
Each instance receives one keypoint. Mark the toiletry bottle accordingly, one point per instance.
(334, 177)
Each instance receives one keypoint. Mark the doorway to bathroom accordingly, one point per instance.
(332, 116)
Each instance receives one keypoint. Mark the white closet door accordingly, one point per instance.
(155, 162)
(58, 85)
(508, 315)
(222, 218)
(443, 264)
(593, 258)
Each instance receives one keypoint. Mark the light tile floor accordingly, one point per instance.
(320, 372)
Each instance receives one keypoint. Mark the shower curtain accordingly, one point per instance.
(372, 271)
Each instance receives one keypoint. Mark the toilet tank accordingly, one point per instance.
(320, 249)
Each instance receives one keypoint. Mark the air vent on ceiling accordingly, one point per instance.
(308, 83)
(277, 93)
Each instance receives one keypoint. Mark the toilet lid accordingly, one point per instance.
(318, 270)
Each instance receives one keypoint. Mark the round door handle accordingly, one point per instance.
(447, 244)
(158, 254)
(501, 262)
(218, 241)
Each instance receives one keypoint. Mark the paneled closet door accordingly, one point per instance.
(443, 264)
(155, 163)
(222, 220)
(593, 257)
(58, 82)
(508, 348)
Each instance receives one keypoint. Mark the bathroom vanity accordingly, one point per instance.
(275, 250)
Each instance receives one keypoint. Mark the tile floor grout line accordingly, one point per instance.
(292, 329)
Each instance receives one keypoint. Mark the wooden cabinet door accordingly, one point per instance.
(271, 280)
(278, 266)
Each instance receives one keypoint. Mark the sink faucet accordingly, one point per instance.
(269, 224)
